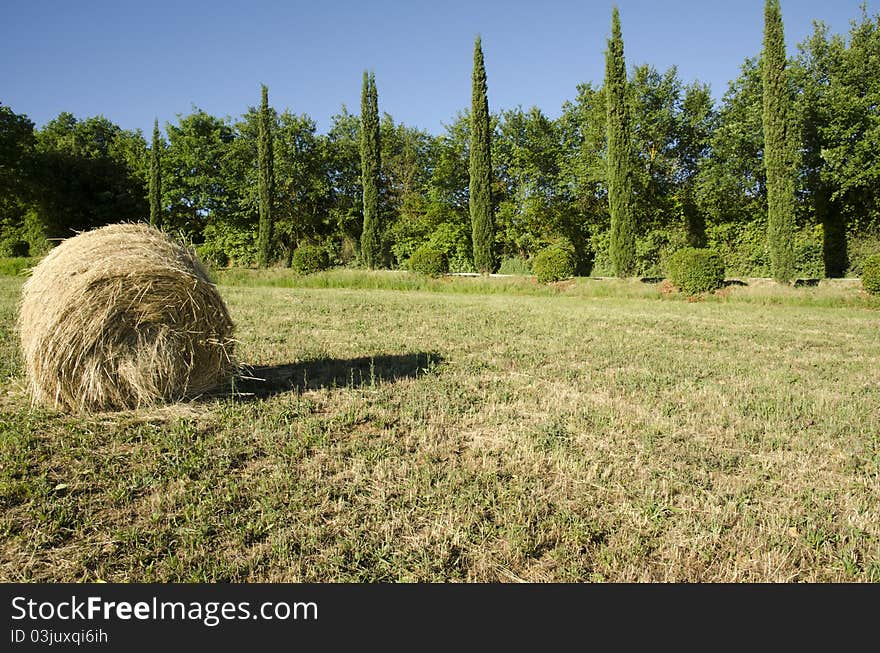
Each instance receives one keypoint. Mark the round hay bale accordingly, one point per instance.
(122, 317)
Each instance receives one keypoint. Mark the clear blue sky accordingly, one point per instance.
(133, 61)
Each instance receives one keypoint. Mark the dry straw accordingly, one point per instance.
(122, 317)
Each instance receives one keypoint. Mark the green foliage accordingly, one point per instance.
(197, 180)
(407, 154)
(621, 165)
(554, 263)
(33, 231)
(779, 149)
(371, 166)
(265, 160)
(155, 179)
(871, 274)
(14, 247)
(694, 271)
(428, 260)
(849, 123)
(860, 249)
(480, 197)
(730, 189)
(227, 243)
(515, 265)
(16, 161)
(87, 173)
(308, 259)
(743, 246)
(808, 253)
(212, 255)
(698, 176)
(14, 266)
(452, 240)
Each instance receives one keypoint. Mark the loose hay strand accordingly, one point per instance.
(122, 317)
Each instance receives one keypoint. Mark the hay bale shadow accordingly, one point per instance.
(734, 282)
(266, 381)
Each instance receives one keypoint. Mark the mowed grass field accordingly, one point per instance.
(595, 431)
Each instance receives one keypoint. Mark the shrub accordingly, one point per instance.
(228, 242)
(34, 233)
(515, 265)
(554, 263)
(212, 255)
(308, 259)
(808, 256)
(695, 270)
(454, 241)
(860, 249)
(14, 248)
(871, 274)
(428, 260)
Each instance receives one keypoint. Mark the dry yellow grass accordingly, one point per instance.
(437, 436)
(122, 317)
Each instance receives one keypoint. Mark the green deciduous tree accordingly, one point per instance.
(731, 189)
(819, 59)
(407, 161)
(480, 168)
(265, 159)
(302, 184)
(16, 151)
(778, 146)
(849, 134)
(697, 123)
(447, 213)
(86, 174)
(584, 171)
(620, 156)
(371, 165)
(342, 146)
(195, 184)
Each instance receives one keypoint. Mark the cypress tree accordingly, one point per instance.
(620, 156)
(778, 150)
(267, 180)
(480, 164)
(155, 179)
(371, 236)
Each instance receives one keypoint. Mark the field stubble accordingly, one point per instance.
(443, 436)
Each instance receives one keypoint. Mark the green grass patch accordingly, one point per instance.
(15, 266)
(828, 293)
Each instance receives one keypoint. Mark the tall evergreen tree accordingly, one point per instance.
(371, 163)
(621, 163)
(778, 150)
(155, 179)
(480, 196)
(267, 181)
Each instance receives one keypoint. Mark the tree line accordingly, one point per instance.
(781, 177)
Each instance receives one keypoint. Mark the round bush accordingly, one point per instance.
(428, 260)
(554, 263)
(871, 274)
(308, 259)
(693, 270)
